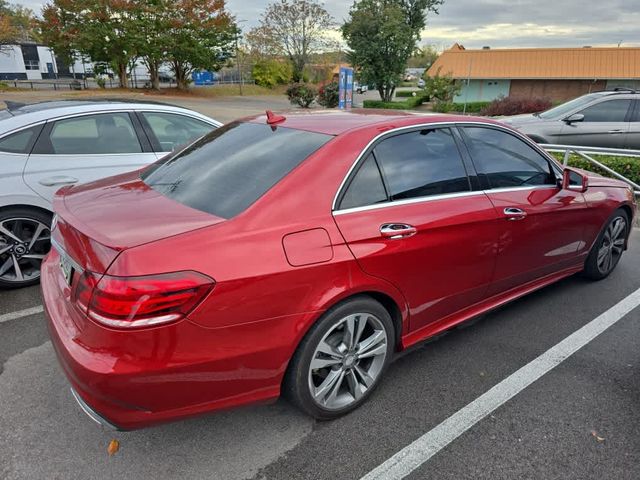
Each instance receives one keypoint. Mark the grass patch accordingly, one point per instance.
(233, 90)
(4, 87)
(629, 167)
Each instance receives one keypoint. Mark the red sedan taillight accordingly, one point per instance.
(128, 302)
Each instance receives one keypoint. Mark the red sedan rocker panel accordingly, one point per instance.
(257, 285)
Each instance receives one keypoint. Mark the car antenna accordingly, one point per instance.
(272, 118)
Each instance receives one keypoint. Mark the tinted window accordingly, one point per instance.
(425, 162)
(608, 111)
(173, 131)
(366, 188)
(20, 142)
(562, 110)
(106, 133)
(230, 168)
(505, 160)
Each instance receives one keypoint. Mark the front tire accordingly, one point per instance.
(25, 239)
(341, 360)
(608, 248)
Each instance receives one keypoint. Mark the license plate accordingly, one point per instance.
(67, 268)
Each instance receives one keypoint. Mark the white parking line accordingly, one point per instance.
(5, 317)
(415, 454)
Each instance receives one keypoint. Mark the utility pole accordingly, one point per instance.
(238, 59)
(238, 65)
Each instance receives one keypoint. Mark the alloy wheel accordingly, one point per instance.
(347, 361)
(612, 245)
(24, 242)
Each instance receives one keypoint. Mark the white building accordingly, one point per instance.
(27, 61)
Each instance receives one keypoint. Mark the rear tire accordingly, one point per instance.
(342, 359)
(25, 239)
(608, 247)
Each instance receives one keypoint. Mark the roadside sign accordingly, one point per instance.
(345, 92)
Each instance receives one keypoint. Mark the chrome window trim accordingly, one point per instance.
(409, 201)
(444, 196)
(390, 132)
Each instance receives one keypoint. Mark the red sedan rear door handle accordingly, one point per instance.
(514, 213)
(394, 231)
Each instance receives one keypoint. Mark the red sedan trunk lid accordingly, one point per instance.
(100, 219)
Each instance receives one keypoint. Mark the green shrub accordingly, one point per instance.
(302, 94)
(441, 87)
(4, 86)
(440, 106)
(407, 93)
(629, 167)
(328, 95)
(269, 73)
(472, 107)
(381, 104)
(407, 104)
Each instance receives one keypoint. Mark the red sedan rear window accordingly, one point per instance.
(229, 169)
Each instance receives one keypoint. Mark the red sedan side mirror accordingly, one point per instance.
(574, 180)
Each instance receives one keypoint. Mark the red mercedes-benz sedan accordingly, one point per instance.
(297, 255)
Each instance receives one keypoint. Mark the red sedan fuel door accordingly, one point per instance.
(422, 229)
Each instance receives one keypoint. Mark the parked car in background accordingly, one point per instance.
(45, 146)
(421, 83)
(609, 119)
(359, 88)
(205, 282)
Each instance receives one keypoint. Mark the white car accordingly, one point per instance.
(47, 145)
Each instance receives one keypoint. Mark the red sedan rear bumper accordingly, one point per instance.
(131, 379)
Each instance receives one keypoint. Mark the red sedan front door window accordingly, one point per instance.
(422, 228)
(542, 226)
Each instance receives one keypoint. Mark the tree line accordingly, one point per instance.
(379, 37)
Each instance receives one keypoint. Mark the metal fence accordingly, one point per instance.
(90, 83)
(587, 152)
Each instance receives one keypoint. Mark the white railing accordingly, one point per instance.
(586, 152)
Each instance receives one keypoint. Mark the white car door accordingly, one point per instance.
(84, 148)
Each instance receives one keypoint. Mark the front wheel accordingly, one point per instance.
(342, 359)
(608, 248)
(25, 239)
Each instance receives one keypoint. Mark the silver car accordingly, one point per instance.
(45, 146)
(609, 119)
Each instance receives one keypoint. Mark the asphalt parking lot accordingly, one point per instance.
(578, 421)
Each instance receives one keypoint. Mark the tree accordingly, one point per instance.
(382, 36)
(190, 34)
(295, 29)
(203, 35)
(17, 24)
(423, 57)
(441, 88)
(105, 30)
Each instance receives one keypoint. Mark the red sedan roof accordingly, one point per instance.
(335, 122)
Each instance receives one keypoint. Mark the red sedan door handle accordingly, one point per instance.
(513, 213)
(394, 231)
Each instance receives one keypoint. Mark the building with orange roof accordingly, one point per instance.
(555, 73)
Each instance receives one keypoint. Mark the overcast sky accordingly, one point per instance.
(500, 23)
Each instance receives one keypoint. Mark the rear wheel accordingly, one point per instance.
(608, 248)
(342, 359)
(25, 239)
